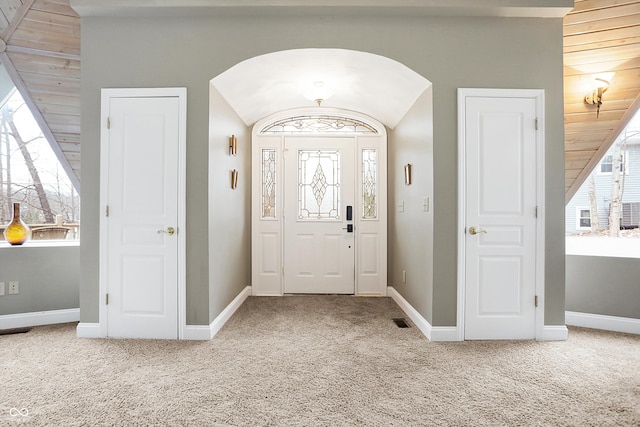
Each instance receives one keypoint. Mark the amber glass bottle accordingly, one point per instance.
(17, 232)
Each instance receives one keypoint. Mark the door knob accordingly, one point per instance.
(169, 231)
(476, 230)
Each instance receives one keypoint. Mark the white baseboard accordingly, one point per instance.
(600, 321)
(433, 333)
(197, 332)
(88, 330)
(191, 332)
(39, 318)
(554, 333)
(204, 332)
(444, 333)
(450, 333)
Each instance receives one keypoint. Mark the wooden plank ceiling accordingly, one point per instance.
(599, 36)
(41, 51)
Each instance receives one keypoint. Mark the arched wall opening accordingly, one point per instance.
(362, 82)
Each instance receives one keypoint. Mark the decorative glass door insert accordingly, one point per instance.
(319, 185)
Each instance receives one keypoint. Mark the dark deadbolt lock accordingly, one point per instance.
(349, 228)
(350, 214)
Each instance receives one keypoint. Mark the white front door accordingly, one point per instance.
(319, 215)
(500, 187)
(141, 179)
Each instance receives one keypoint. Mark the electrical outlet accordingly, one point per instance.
(13, 288)
(401, 206)
(404, 276)
(1, 288)
(425, 204)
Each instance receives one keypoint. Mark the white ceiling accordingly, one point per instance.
(371, 84)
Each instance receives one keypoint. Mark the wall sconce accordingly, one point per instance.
(234, 179)
(601, 84)
(233, 145)
(407, 174)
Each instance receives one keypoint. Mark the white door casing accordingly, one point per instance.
(269, 182)
(319, 187)
(501, 239)
(142, 227)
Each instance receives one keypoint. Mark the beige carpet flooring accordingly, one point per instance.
(318, 361)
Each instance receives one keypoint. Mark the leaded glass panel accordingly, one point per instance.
(268, 183)
(319, 185)
(369, 184)
(314, 124)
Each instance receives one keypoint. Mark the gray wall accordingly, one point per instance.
(603, 285)
(49, 278)
(411, 231)
(450, 52)
(229, 210)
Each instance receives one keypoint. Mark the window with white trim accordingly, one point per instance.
(606, 165)
(583, 218)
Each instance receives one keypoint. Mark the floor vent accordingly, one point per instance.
(400, 322)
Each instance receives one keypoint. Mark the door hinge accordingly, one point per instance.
(106, 212)
(108, 122)
(537, 127)
(106, 299)
(535, 300)
(536, 212)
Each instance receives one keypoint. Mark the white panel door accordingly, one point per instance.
(500, 214)
(319, 186)
(142, 249)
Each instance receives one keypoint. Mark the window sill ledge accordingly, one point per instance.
(616, 247)
(41, 244)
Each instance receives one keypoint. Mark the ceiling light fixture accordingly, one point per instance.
(601, 84)
(318, 92)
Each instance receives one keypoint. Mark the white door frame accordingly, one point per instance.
(267, 280)
(106, 96)
(538, 96)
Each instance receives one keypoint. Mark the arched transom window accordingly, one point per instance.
(319, 124)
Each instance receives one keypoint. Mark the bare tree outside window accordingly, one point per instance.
(617, 189)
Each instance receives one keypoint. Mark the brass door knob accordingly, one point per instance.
(169, 231)
(476, 230)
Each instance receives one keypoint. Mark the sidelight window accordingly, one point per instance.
(268, 183)
(369, 184)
